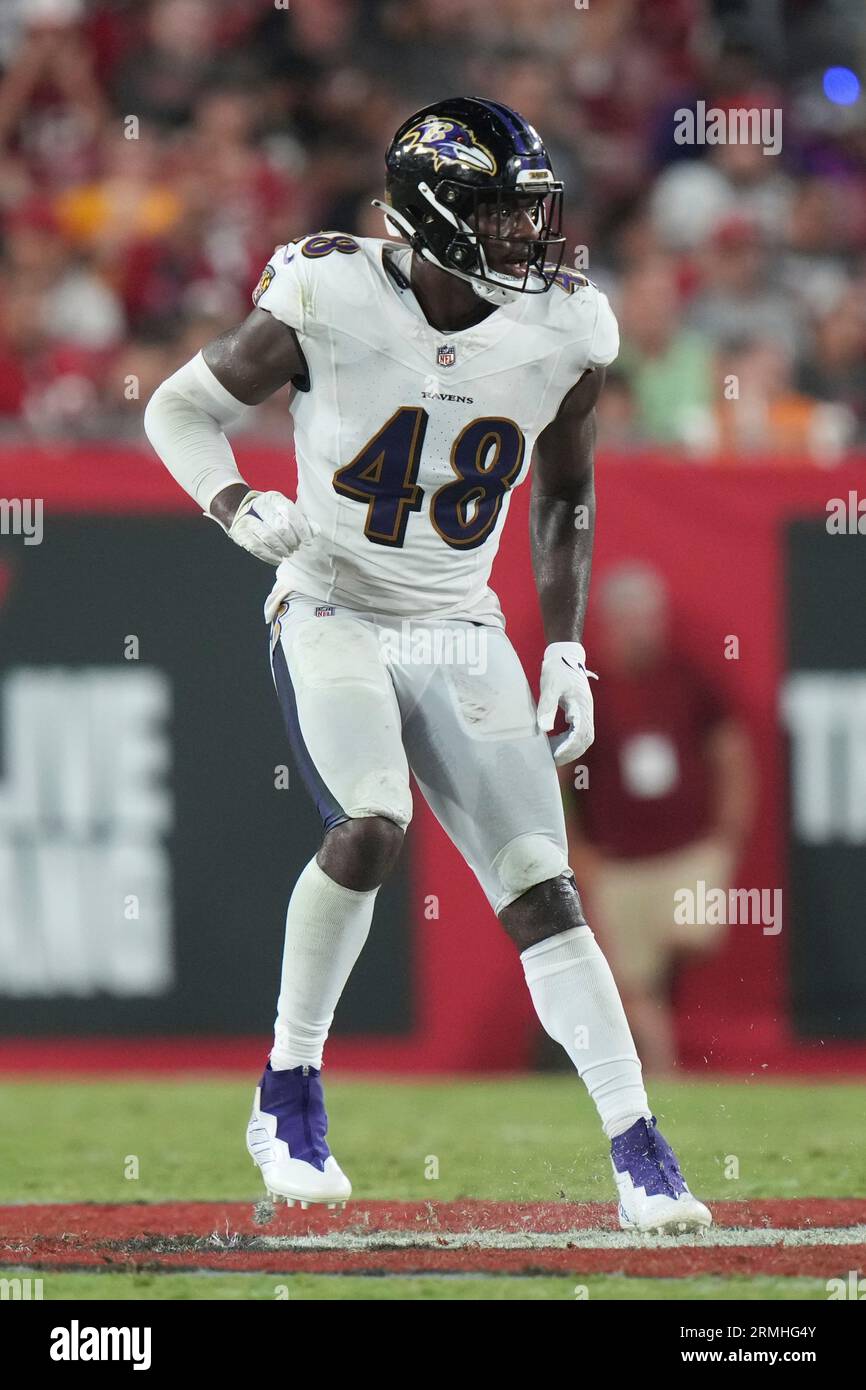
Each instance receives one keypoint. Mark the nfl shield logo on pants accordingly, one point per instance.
(447, 355)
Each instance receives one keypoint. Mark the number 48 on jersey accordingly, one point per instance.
(486, 457)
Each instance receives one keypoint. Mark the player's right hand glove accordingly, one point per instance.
(270, 526)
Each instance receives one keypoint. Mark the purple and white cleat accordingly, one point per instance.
(286, 1139)
(653, 1196)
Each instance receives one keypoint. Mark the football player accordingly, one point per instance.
(427, 374)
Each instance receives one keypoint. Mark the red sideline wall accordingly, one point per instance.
(714, 533)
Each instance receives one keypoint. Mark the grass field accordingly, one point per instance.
(529, 1140)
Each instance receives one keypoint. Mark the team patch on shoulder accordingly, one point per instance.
(265, 279)
(571, 280)
(324, 243)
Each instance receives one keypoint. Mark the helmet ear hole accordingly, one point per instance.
(463, 256)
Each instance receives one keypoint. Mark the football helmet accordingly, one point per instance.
(470, 186)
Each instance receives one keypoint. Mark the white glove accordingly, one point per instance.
(564, 682)
(270, 526)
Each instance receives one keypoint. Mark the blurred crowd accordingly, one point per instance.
(153, 152)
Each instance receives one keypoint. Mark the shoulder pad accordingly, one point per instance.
(582, 311)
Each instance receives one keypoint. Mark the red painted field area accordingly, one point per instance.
(812, 1236)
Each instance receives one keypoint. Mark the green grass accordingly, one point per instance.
(334, 1288)
(531, 1139)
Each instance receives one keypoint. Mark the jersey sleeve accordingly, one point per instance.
(282, 289)
(604, 345)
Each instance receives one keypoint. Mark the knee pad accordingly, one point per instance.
(382, 793)
(528, 860)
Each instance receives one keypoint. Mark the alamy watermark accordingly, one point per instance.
(414, 644)
(846, 516)
(714, 907)
(20, 1289)
(22, 516)
(78, 1343)
(737, 125)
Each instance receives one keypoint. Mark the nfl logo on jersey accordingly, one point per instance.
(447, 355)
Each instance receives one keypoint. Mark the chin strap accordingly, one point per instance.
(500, 293)
(485, 289)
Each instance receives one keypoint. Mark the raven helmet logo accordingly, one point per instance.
(447, 355)
(449, 142)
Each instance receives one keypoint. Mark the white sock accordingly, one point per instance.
(578, 1003)
(326, 927)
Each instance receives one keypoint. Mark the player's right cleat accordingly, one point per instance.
(653, 1196)
(286, 1139)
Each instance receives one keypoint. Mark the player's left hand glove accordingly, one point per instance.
(270, 526)
(564, 682)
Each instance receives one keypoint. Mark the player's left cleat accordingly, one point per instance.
(653, 1196)
(286, 1138)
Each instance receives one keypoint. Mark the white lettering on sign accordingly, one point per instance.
(825, 714)
(85, 808)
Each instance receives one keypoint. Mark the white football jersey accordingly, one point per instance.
(410, 441)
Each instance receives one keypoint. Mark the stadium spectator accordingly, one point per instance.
(618, 426)
(51, 105)
(736, 180)
(670, 803)
(835, 371)
(668, 366)
(161, 79)
(759, 409)
(737, 297)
